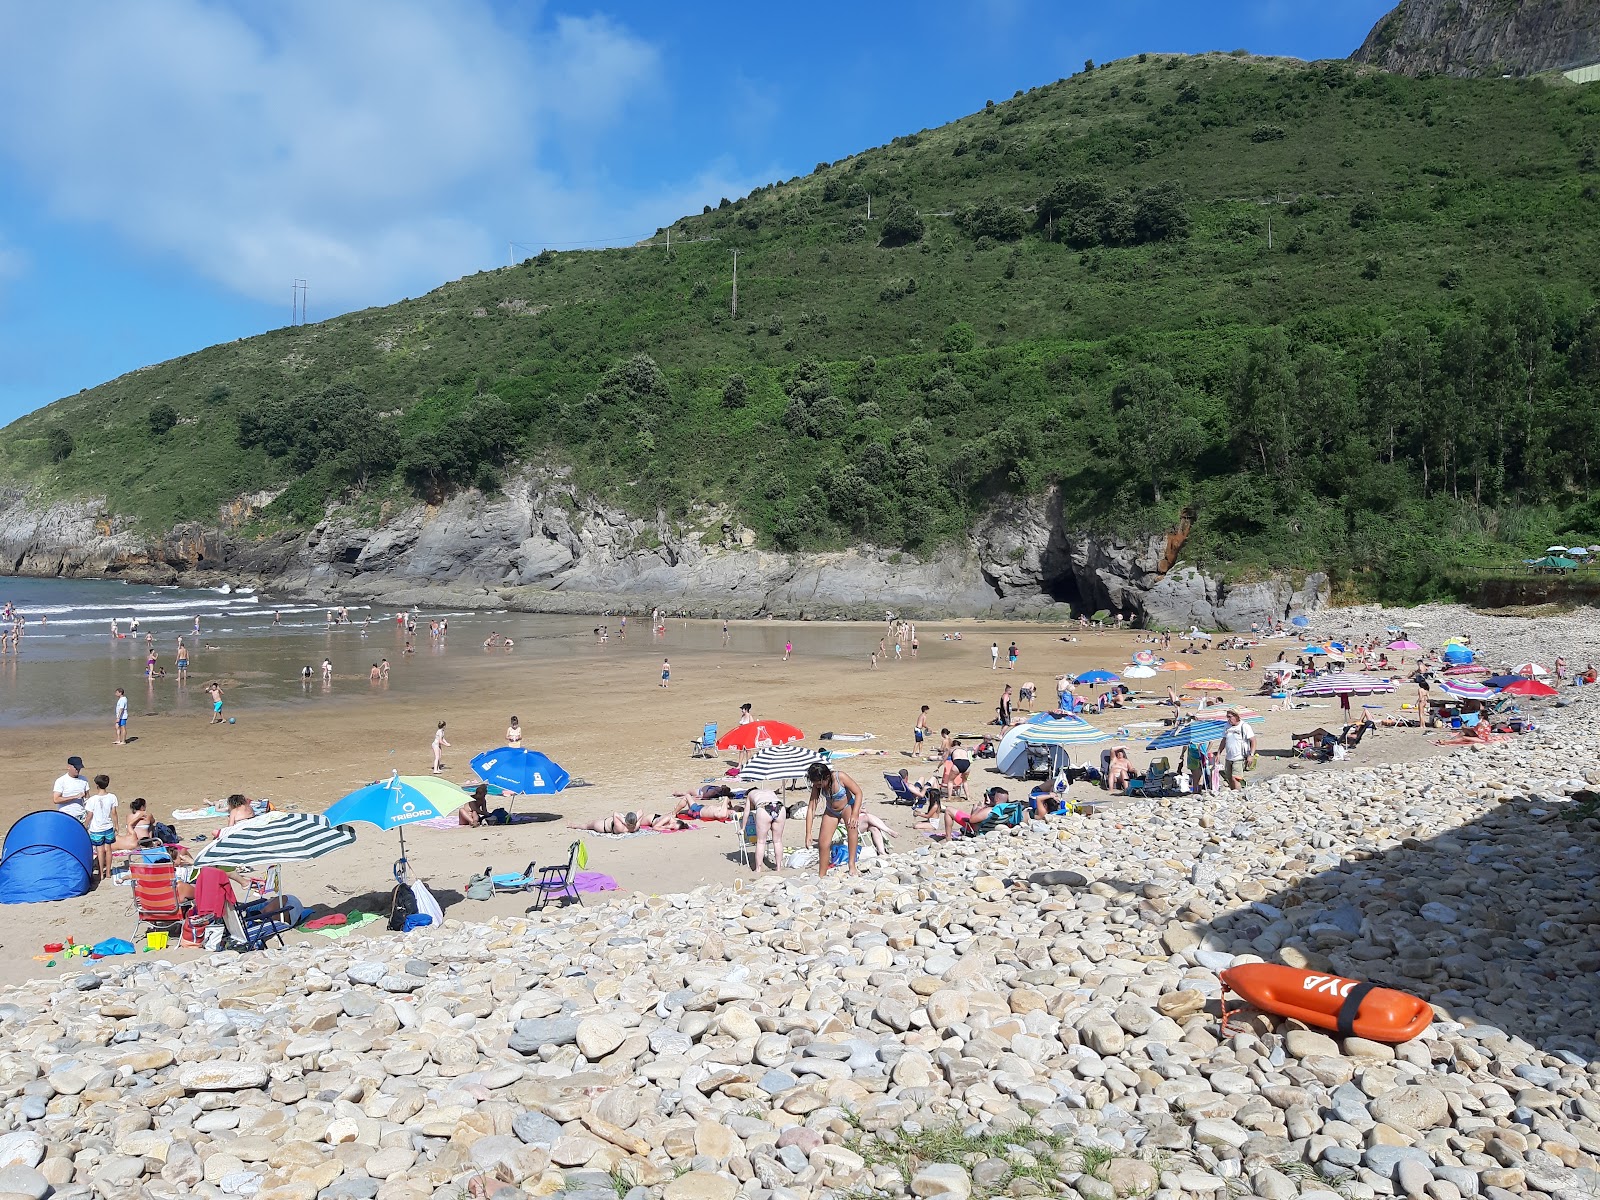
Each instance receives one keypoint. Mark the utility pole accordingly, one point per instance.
(297, 302)
(1269, 231)
(735, 283)
(669, 241)
(869, 206)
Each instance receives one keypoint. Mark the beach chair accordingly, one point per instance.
(514, 883)
(705, 746)
(155, 897)
(559, 880)
(251, 926)
(268, 883)
(898, 789)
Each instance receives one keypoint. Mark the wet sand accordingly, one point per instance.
(600, 712)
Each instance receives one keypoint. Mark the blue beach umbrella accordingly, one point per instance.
(1096, 676)
(1300, 622)
(398, 801)
(521, 771)
(1195, 733)
(1063, 733)
(1313, 649)
(1500, 681)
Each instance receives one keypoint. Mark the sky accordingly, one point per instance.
(169, 168)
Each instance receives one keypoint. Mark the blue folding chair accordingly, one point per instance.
(705, 746)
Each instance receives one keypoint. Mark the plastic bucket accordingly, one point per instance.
(156, 940)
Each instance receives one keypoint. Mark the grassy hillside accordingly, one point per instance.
(1075, 285)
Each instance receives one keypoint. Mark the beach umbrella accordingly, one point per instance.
(1096, 676)
(1313, 649)
(1345, 683)
(778, 762)
(1555, 549)
(1209, 685)
(1280, 668)
(1063, 733)
(520, 771)
(1403, 644)
(748, 737)
(1174, 665)
(1467, 689)
(1466, 669)
(1139, 672)
(1144, 657)
(398, 801)
(1528, 687)
(275, 837)
(1300, 622)
(1531, 668)
(1195, 733)
(1501, 681)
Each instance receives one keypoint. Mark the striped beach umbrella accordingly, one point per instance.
(1345, 683)
(275, 837)
(1531, 668)
(1466, 690)
(1195, 733)
(778, 762)
(1066, 732)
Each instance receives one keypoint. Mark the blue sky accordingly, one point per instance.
(167, 168)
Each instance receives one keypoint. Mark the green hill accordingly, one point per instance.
(1339, 318)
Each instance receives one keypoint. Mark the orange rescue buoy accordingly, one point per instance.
(1343, 1006)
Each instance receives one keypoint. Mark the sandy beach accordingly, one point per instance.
(600, 712)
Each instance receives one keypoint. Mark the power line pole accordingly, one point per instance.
(297, 302)
(735, 283)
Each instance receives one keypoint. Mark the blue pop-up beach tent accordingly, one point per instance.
(46, 856)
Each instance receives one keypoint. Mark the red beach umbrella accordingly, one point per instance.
(1528, 687)
(748, 737)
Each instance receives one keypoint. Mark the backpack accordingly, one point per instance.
(164, 833)
(403, 905)
(480, 887)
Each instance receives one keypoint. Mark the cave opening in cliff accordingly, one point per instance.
(1063, 589)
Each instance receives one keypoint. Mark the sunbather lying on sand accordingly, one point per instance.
(622, 823)
(699, 810)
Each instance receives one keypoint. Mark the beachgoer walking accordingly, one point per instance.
(919, 731)
(439, 747)
(994, 656)
(1005, 706)
(214, 690)
(666, 673)
(1011, 657)
(101, 808)
(788, 649)
(70, 789)
(383, 669)
(835, 797)
(327, 670)
(1238, 746)
(120, 716)
(874, 661)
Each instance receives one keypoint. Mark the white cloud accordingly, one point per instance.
(371, 146)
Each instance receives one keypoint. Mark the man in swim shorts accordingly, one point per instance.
(121, 717)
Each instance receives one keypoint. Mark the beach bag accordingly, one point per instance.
(480, 887)
(403, 904)
(164, 833)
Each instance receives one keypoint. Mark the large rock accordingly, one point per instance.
(221, 1076)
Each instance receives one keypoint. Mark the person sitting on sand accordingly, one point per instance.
(476, 810)
(240, 809)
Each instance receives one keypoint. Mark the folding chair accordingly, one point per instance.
(705, 746)
(898, 788)
(260, 887)
(253, 925)
(514, 883)
(155, 897)
(558, 881)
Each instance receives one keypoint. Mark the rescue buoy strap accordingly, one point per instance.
(1351, 1007)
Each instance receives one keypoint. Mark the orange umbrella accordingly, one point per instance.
(1174, 665)
(1208, 685)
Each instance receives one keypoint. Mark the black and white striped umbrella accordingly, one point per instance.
(275, 837)
(778, 762)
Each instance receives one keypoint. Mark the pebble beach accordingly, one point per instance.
(947, 1025)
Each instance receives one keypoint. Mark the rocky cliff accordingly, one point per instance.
(1484, 37)
(541, 546)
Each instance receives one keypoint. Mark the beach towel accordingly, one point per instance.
(353, 922)
(617, 837)
(848, 737)
(593, 881)
(209, 813)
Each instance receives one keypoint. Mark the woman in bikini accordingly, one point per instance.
(767, 809)
(632, 822)
(835, 797)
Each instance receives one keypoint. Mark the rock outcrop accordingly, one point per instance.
(540, 545)
(1484, 37)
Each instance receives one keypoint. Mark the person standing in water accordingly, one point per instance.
(666, 673)
(183, 661)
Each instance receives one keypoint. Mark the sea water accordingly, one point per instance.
(257, 645)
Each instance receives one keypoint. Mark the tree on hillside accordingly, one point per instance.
(901, 226)
(1157, 424)
(162, 418)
